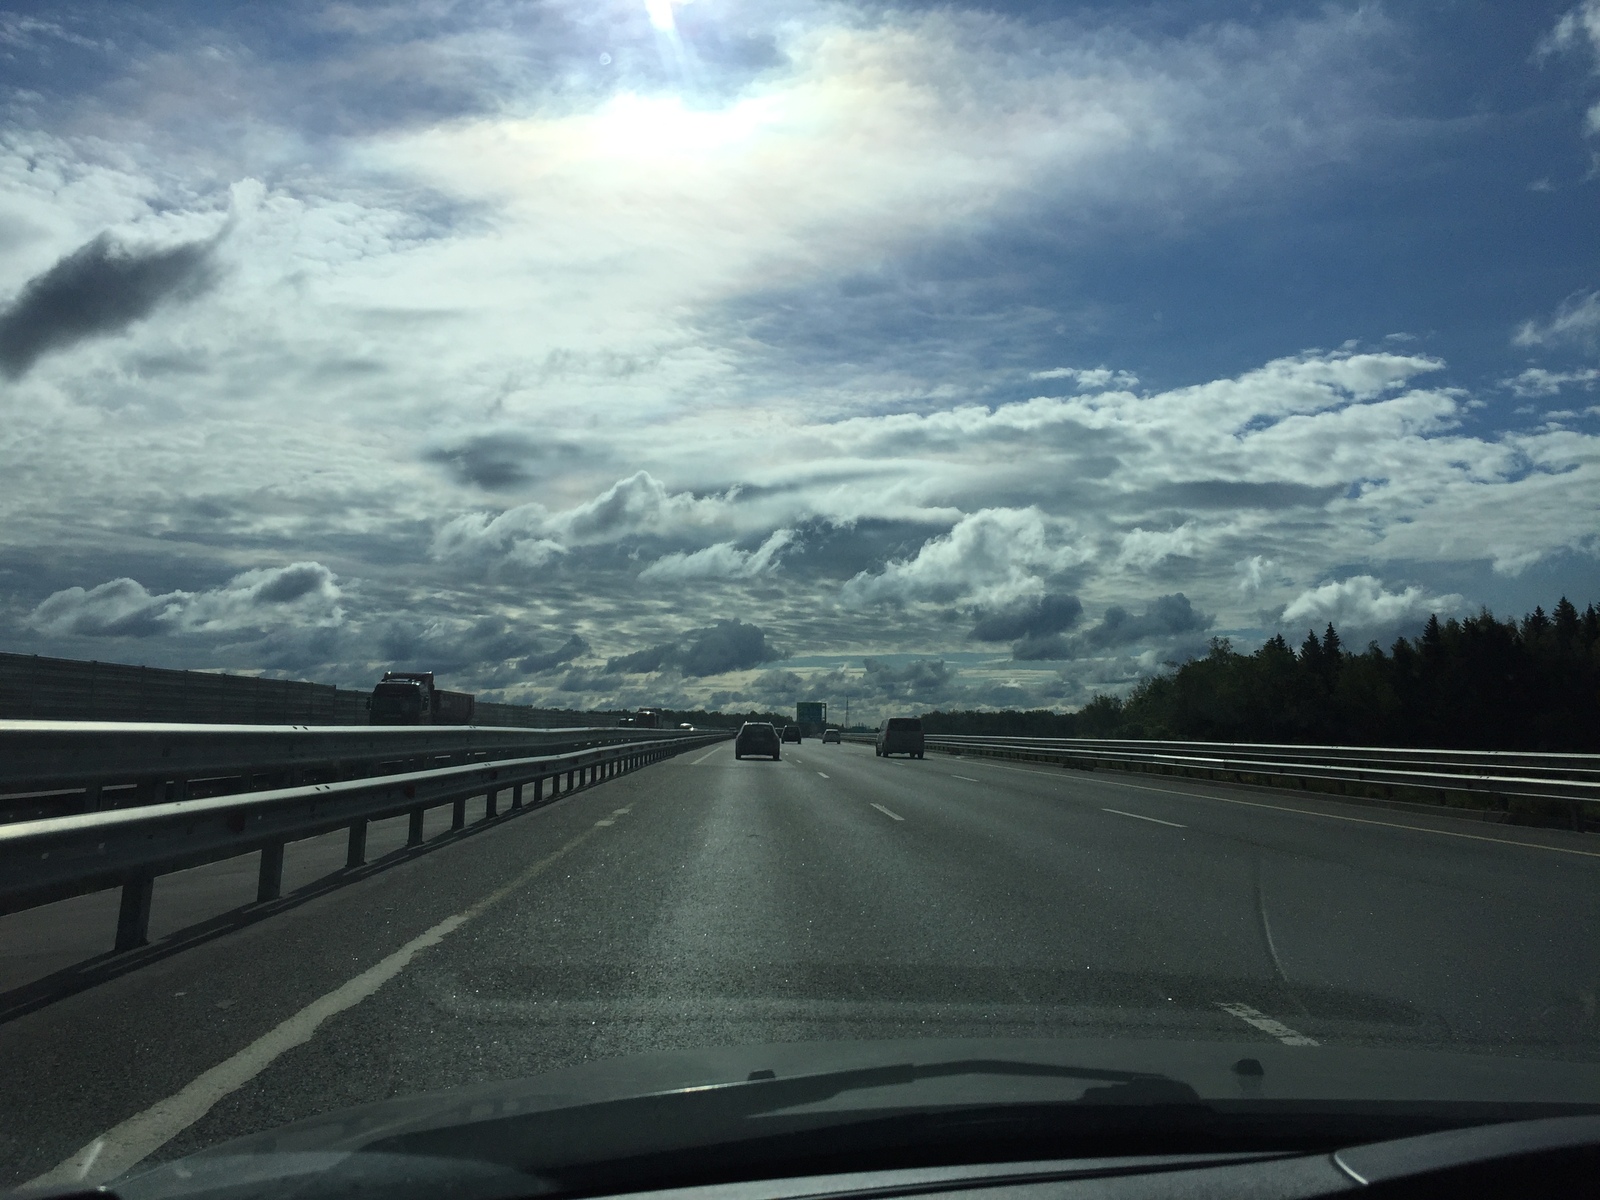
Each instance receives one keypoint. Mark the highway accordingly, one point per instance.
(831, 895)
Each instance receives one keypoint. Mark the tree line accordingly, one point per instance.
(1471, 683)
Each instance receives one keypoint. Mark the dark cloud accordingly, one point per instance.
(641, 662)
(1164, 617)
(729, 645)
(573, 647)
(293, 582)
(726, 646)
(449, 648)
(1050, 613)
(490, 461)
(922, 678)
(102, 287)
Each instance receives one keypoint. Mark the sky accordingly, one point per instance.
(598, 353)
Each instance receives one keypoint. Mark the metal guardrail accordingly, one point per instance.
(1497, 775)
(57, 857)
(63, 768)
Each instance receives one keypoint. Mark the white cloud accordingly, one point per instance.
(1576, 26)
(996, 557)
(300, 595)
(529, 535)
(1255, 573)
(1146, 548)
(1536, 381)
(1090, 378)
(1575, 322)
(1362, 602)
(724, 560)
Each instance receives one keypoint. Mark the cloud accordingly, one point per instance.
(1576, 322)
(1362, 603)
(728, 645)
(1255, 573)
(102, 287)
(529, 535)
(996, 557)
(489, 461)
(1536, 381)
(1091, 378)
(721, 561)
(303, 594)
(1578, 26)
(921, 678)
(1147, 548)
(1050, 613)
(573, 647)
(1163, 619)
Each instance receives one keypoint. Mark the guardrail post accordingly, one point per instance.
(491, 805)
(133, 917)
(516, 797)
(269, 882)
(458, 814)
(356, 854)
(538, 791)
(414, 829)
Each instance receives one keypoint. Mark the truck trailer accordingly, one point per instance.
(410, 698)
(812, 717)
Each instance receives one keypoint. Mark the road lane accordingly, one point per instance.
(714, 901)
(1482, 933)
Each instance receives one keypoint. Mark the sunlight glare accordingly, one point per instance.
(654, 126)
(661, 15)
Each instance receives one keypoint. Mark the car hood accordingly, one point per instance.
(624, 1109)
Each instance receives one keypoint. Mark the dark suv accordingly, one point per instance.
(757, 737)
(900, 735)
(791, 733)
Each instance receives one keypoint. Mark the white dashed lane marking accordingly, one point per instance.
(824, 774)
(1277, 1029)
(968, 778)
(1138, 817)
(887, 813)
(705, 756)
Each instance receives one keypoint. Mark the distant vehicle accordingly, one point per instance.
(645, 718)
(792, 733)
(685, 725)
(811, 716)
(830, 735)
(900, 735)
(757, 737)
(410, 698)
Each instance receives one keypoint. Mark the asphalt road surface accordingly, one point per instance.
(831, 895)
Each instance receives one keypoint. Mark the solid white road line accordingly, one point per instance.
(1252, 1016)
(130, 1143)
(887, 813)
(1138, 817)
(968, 778)
(705, 756)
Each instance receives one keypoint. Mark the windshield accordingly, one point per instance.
(898, 521)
